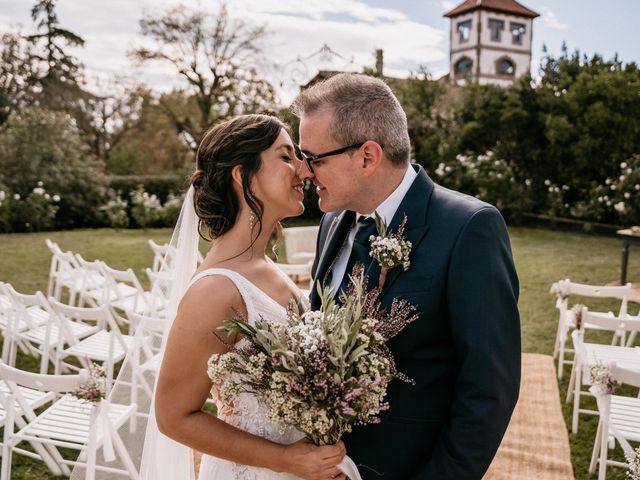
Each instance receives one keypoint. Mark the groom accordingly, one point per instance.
(464, 350)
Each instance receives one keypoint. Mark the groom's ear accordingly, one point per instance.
(372, 157)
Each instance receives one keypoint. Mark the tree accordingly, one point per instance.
(59, 73)
(42, 146)
(215, 55)
(16, 74)
(149, 143)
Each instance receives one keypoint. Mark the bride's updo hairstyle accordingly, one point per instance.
(238, 141)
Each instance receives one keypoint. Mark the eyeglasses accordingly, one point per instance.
(309, 159)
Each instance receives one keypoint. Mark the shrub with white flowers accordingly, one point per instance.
(488, 178)
(171, 209)
(145, 208)
(33, 212)
(116, 211)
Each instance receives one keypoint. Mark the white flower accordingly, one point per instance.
(623, 165)
(47, 196)
(621, 178)
(547, 182)
(619, 207)
(38, 191)
(16, 196)
(527, 182)
(2, 195)
(39, 184)
(627, 195)
(608, 181)
(629, 171)
(56, 198)
(447, 169)
(637, 186)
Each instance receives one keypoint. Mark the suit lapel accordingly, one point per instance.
(338, 230)
(414, 205)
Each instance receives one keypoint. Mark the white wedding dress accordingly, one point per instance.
(248, 413)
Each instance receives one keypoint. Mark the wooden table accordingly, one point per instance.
(629, 236)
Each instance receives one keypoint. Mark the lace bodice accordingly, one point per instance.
(248, 412)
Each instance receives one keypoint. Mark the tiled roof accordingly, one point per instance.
(503, 6)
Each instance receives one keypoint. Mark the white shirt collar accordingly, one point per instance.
(387, 209)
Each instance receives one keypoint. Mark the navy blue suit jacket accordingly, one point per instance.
(464, 350)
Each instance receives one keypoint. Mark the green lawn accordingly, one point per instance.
(541, 256)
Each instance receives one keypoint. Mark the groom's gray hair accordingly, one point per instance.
(364, 108)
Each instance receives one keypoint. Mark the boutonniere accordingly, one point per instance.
(389, 249)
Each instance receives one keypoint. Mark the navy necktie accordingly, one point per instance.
(360, 250)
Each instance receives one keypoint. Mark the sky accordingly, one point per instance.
(412, 33)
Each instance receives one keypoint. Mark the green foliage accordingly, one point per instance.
(489, 178)
(115, 210)
(41, 146)
(158, 185)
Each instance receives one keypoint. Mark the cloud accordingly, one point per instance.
(298, 30)
(448, 5)
(322, 9)
(549, 17)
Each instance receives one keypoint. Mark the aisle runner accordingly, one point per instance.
(536, 445)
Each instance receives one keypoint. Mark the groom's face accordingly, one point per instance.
(336, 177)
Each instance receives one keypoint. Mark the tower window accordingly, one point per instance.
(496, 27)
(517, 32)
(463, 67)
(504, 66)
(464, 31)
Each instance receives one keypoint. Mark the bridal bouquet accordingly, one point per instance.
(319, 371)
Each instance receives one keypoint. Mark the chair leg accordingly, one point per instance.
(604, 438)
(560, 360)
(556, 345)
(632, 338)
(576, 396)
(596, 449)
(124, 456)
(572, 380)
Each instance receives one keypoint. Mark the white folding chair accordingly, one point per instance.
(160, 255)
(159, 291)
(589, 354)
(34, 400)
(619, 420)
(144, 356)
(93, 289)
(107, 345)
(124, 292)
(566, 319)
(63, 273)
(68, 423)
(29, 327)
(300, 243)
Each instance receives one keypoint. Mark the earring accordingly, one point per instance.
(252, 220)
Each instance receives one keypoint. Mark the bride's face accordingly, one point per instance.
(277, 182)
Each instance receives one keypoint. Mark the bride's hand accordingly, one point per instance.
(306, 460)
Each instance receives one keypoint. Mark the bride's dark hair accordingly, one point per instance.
(238, 141)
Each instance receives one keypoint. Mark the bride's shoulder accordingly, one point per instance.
(210, 294)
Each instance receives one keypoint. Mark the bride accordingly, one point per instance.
(246, 181)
